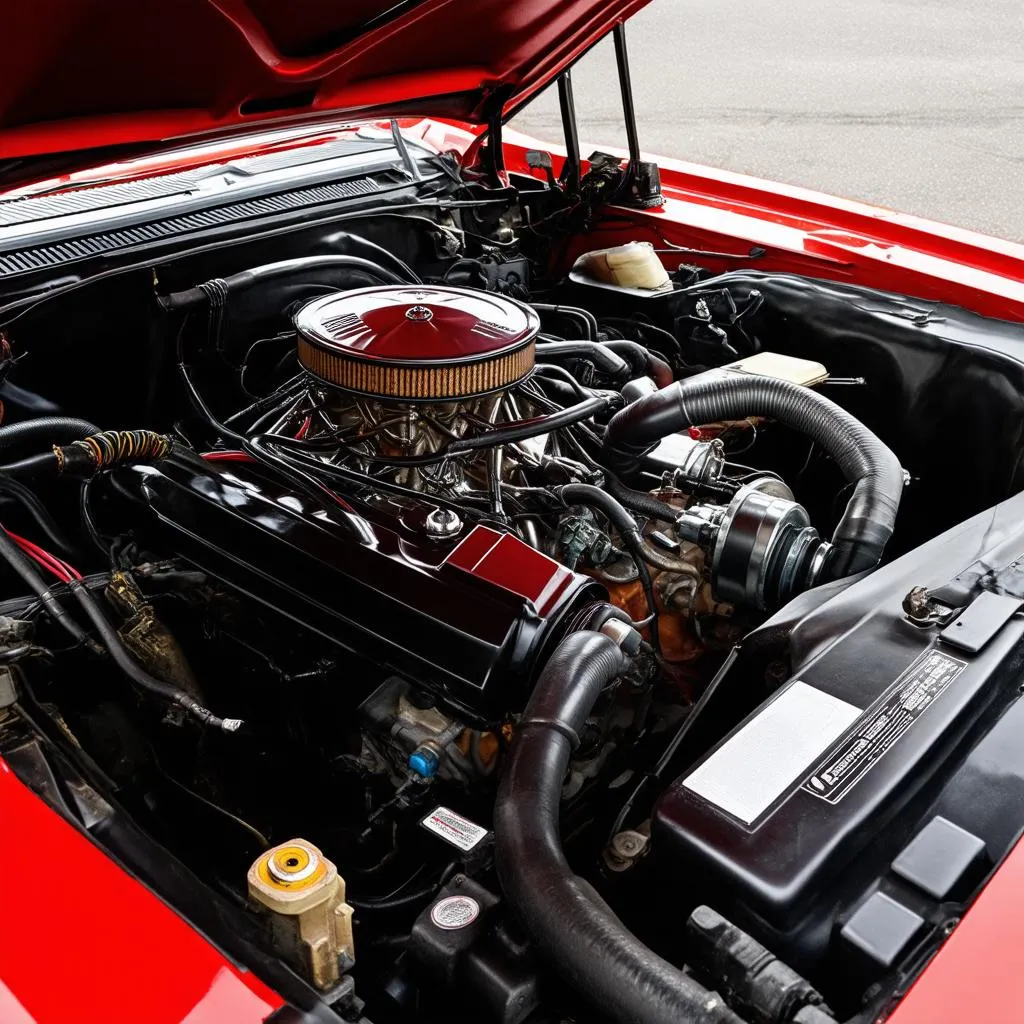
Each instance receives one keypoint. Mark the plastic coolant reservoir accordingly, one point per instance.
(633, 265)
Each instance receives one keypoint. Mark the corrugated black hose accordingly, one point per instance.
(44, 430)
(641, 501)
(870, 515)
(573, 927)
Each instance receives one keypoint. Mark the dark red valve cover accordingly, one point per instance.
(417, 342)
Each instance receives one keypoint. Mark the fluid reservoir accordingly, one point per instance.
(633, 265)
(304, 897)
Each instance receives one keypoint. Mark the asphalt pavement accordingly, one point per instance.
(916, 105)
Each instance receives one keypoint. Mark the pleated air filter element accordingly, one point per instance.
(417, 343)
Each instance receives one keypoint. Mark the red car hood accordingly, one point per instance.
(82, 74)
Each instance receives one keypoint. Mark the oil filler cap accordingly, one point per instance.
(289, 865)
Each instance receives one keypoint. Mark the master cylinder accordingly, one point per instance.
(304, 897)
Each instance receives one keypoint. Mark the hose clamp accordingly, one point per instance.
(622, 634)
(553, 723)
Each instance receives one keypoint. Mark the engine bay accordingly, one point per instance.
(481, 621)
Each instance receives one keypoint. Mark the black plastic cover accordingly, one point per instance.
(465, 941)
(907, 709)
(941, 859)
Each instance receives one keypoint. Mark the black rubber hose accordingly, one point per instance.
(558, 390)
(573, 927)
(12, 654)
(601, 356)
(45, 430)
(594, 497)
(507, 433)
(640, 501)
(87, 456)
(24, 567)
(642, 360)
(190, 298)
(602, 614)
(870, 515)
(547, 371)
(32, 465)
(159, 688)
(524, 429)
(577, 313)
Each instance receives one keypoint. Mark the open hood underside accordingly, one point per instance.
(84, 74)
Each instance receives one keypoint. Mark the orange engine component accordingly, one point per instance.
(679, 642)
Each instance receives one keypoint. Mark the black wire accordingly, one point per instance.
(25, 568)
(288, 336)
(144, 680)
(272, 415)
(35, 508)
(506, 433)
(303, 482)
(595, 497)
(401, 902)
(289, 389)
(260, 838)
(639, 326)
(88, 521)
(263, 442)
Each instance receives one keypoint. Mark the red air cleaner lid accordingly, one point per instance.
(417, 342)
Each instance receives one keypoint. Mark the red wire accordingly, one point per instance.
(64, 572)
(227, 457)
(49, 566)
(244, 457)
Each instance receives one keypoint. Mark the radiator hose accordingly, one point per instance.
(568, 920)
(868, 519)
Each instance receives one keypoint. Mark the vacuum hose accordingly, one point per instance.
(571, 924)
(867, 522)
(218, 289)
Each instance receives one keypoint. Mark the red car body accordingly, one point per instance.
(228, 66)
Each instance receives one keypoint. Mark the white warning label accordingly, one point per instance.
(878, 731)
(770, 753)
(453, 828)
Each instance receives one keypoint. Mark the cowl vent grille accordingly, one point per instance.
(23, 261)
